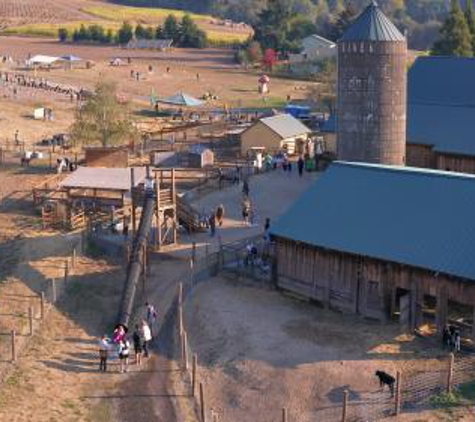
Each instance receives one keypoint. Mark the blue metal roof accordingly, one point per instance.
(372, 25)
(447, 128)
(417, 217)
(443, 81)
(441, 110)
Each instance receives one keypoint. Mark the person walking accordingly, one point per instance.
(220, 215)
(104, 346)
(152, 314)
(246, 210)
(124, 351)
(137, 339)
(300, 165)
(146, 337)
(245, 188)
(212, 224)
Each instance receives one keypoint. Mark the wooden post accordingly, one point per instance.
(185, 351)
(66, 272)
(158, 223)
(42, 304)
(192, 271)
(450, 373)
(202, 403)
(397, 402)
(53, 290)
(345, 405)
(134, 211)
(13, 337)
(73, 259)
(284, 414)
(193, 252)
(127, 252)
(175, 222)
(30, 320)
(194, 374)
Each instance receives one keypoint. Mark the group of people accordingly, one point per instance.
(121, 345)
(20, 80)
(451, 338)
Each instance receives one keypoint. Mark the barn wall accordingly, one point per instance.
(363, 285)
(259, 135)
(458, 163)
(107, 157)
(420, 156)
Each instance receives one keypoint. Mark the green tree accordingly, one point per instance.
(171, 29)
(254, 52)
(125, 33)
(96, 33)
(83, 34)
(470, 18)
(63, 34)
(455, 38)
(190, 35)
(342, 22)
(103, 119)
(139, 31)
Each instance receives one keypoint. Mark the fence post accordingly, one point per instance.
(73, 259)
(42, 304)
(192, 270)
(66, 272)
(345, 405)
(397, 403)
(194, 374)
(14, 356)
(53, 290)
(284, 414)
(450, 373)
(30, 320)
(193, 252)
(202, 403)
(185, 350)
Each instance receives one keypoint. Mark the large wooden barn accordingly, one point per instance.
(384, 242)
(441, 112)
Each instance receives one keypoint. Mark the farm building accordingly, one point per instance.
(107, 157)
(142, 44)
(316, 47)
(441, 114)
(383, 242)
(200, 156)
(372, 81)
(276, 133)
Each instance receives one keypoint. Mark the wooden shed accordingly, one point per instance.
(282, 132)
(200, 156)
(385, 243)
(112, 157)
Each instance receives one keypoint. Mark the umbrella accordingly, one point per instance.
(181, 99)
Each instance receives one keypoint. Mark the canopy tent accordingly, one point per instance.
(41, 60)
(181, 100)
(71, 58)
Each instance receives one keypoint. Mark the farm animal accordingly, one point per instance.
(386, 379)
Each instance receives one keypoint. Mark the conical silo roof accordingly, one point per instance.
(372, 25)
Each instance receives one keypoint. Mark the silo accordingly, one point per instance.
(371, 119)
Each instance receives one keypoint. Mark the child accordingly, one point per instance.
(104, 345)
(137, 345)
(124, 350)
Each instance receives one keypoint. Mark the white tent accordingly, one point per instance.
(40, 60)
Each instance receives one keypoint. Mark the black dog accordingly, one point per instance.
(386, 379)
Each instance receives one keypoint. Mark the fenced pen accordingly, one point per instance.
(30, 312)
(414, 391)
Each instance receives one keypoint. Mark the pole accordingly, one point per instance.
(284, 414)
(14, 355)
(345, 404)
(66, 272)
(397, 404)
(73, 259)
(450, 373)
(42, 304)
(134, 211)
(202, 403)
(185, 350)
(194, 373)
(53, 290)
(30, 320)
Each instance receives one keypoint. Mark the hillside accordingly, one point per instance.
(44, 17)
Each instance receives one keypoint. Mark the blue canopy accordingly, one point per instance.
(71, 58)
(182, 100)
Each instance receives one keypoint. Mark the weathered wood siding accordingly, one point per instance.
(420, 156)
(458, 163)
(364, 285)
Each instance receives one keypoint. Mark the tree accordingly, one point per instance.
(270, 59)
(190, 35)
(470, 18)
(103, 119)
(139, 32)
(63, 34)
(342, 22)
(125, 33)
(171, 30)
(455, 38)
(254, 52)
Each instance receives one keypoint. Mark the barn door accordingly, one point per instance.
(405, 308)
